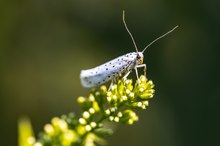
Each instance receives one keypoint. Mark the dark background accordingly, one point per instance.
(45, 43)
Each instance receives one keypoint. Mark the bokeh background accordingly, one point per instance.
(45, 43)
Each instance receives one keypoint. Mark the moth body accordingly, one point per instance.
(110, 70)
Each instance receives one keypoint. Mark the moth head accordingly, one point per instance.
(140, 57)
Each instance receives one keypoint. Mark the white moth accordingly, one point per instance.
(118, 67)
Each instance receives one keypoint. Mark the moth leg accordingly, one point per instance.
(144, 66)
(126, 75)
(136, 72)
(112, 82)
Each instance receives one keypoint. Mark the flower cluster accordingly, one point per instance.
(117, 104)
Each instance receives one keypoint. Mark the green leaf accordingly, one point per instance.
(25, 132)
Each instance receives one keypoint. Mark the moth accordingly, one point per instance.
(118, 67)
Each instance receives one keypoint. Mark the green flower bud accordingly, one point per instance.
(82, 121)
(48, 128)
(93, 124)
(129, 117)
(38, 144)
(95, 106)
(59, 124)
(103, 89)
(68, 137)
(86, 115)
(91, 110)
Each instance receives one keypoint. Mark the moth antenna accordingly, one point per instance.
(159, 38)
(129, 31)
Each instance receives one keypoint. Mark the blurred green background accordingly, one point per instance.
(45, 43)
